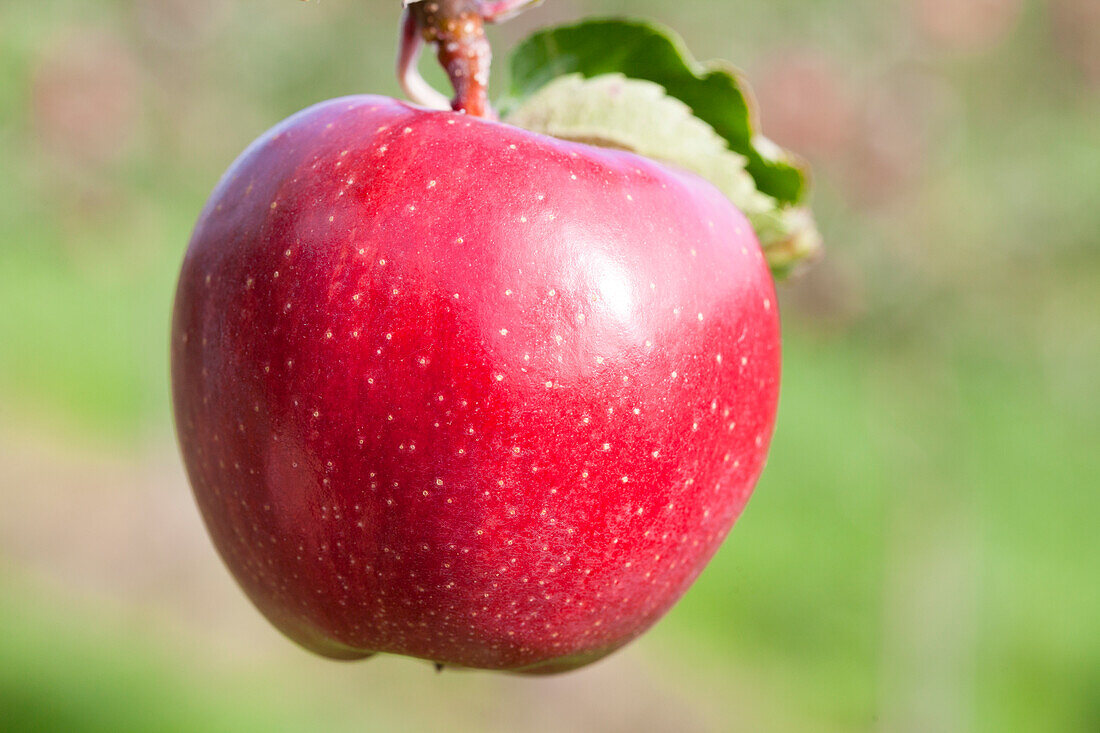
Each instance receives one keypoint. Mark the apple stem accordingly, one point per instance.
(457, 29)
(408, 75)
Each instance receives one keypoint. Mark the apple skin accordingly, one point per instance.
(450, 389)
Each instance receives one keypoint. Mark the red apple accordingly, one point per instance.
(454, 390)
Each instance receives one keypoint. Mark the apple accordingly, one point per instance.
(456, 390)
(451, 389)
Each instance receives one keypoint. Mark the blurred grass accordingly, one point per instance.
(56, 679)
(922, 551)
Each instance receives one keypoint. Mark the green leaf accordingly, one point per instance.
(638, 116)
(641, 50)
(615, 112)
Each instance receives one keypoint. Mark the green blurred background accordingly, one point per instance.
(922, 553)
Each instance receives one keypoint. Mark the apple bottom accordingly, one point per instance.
(320, 643)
